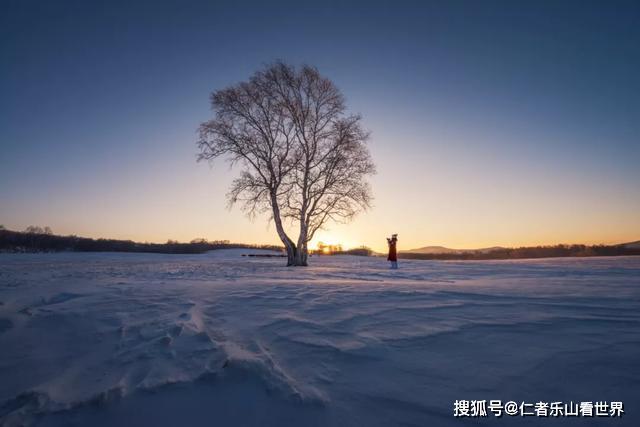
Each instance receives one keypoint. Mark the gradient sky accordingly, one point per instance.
(493, 123)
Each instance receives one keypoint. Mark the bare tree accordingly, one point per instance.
(303, 158)
(34, 229)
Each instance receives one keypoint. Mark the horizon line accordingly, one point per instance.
(345, 247)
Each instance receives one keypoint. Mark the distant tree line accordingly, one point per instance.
(361, 251)
(327, 249)
(554, 251)
(38, 239)
(42, 239)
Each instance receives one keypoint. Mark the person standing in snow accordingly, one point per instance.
(393, 253)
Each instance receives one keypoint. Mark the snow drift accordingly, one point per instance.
(220, 339)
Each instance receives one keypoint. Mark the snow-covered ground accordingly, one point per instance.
(219, 339)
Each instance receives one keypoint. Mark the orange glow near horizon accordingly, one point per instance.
(444, 196)
(359, 234)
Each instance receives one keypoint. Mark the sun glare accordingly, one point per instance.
(331, 239)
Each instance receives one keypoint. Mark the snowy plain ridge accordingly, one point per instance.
(218, 339)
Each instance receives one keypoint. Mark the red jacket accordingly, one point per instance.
(393, 254)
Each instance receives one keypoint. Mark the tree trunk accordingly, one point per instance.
(291, 254)
(292, 251)
(301, 253)
(304, 254)
(300, 259)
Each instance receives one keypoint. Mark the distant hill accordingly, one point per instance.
(631, 245)
(443, 250)
(552, 251)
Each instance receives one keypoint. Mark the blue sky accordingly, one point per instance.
(493, 123)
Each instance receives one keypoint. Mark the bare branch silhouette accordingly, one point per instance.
(303, 158)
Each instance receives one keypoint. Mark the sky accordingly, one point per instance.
(493, 123)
